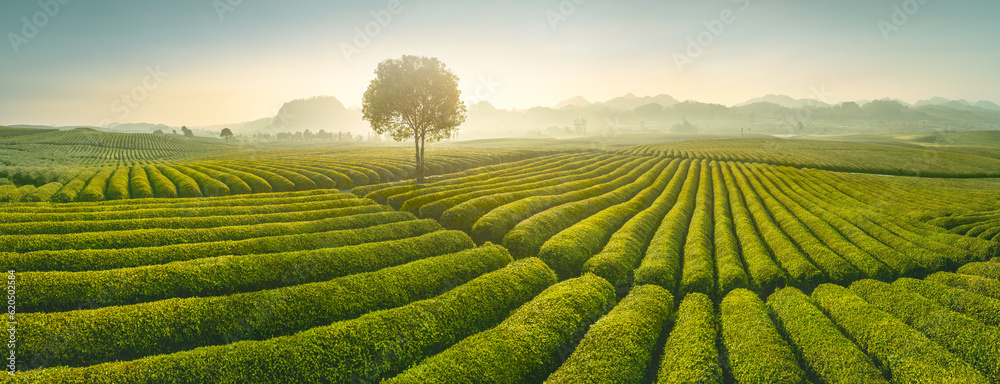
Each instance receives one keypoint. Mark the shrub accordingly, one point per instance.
(567, 251)
(974, 305)
(118, 185)
(186, 185)
(764, 273)
(819, 239)
(755, 350)
(526, 346)
(256, 183)
(861, 232)
(972, 283)
(463, 216)
(619, 346)
(139, 184)
(976, 343)
(988, 269)
(155, 237)
(162, 186)
(43, 193)
(625, 249)
(690, 354)
(133, 331)
(60, 291)
(803, 272)
(908, 355)
(698, 268)
(527, 237)
(72, 189)
(662, 263)
(728, 263)
(94, 191)
(828, 354)
(341, 352)
(495, 224)
(100, 259)
(209, 186)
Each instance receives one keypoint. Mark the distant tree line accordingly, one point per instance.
(308, 135)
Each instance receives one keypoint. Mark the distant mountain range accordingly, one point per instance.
(645, 113)
(785, 101)
(626, 103)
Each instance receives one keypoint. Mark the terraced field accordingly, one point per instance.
(563, 267)
(690, 225)
(831, 155)
(114, 166)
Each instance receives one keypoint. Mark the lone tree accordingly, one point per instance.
(226, 134)
(187, 132)
(417, 98)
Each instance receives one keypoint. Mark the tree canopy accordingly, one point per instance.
(414, 97)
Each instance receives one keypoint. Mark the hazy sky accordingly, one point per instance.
(199, 62)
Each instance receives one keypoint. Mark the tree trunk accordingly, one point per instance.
(420, 179)
(419, 169)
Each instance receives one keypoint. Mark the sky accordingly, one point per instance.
(205, 62)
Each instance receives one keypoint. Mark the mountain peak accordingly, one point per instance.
(577, 101)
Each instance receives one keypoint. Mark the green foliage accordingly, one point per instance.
(162, 186)
(764, 273)
(974, 305)
(728, 262)
(43, 193)
(528, 236)
(56, 291)
(797, 265)
(976, 343)
(690, 354)
(698, 270)
(662, 263)
(830, 155)
(463, 216)
(619, 346)
(625, 249)
(526, 347)
(342, 219)
(990, 269)
(118, 188)
(101, 259)
(369, 348)
(414, 97)
(567, 251)
(186, 185)
(908, 355)
(830, 356)
(139, 183)
(755, 350)
(495, 224)
(972, 283)
(94, 191)
(72, 189)
(133, 331)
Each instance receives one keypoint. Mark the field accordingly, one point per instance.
(715, 261)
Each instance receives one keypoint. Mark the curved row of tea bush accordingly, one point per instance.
(223, 275)
(135, 331)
